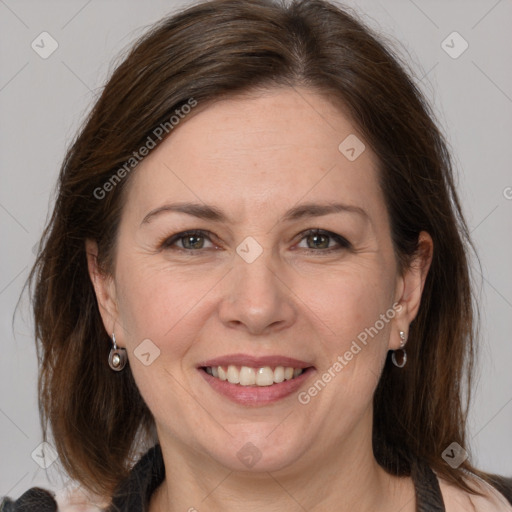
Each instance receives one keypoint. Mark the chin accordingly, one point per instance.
(258, 451)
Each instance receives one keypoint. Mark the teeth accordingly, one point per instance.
(279, 374)
(247, 376)
(233, 374)
(265, 376)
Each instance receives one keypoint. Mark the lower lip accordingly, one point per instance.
(256, 395)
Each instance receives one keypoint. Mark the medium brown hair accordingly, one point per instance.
(221, 48)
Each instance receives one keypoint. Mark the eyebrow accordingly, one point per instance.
(212, 213)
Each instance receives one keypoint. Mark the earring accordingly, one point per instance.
(117, 357)
(403, 358)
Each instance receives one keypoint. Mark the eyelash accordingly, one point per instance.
(342, 242)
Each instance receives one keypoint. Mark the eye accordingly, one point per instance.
(192, 240)
(320, 241)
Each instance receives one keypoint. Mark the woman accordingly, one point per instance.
(256, 276)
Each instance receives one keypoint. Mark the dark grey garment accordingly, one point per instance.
(34, 500)
(134, 494)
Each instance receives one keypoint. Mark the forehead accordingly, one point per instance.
(277, 148)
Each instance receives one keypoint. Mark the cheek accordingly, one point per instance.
(350, 300)
(159, 303)
(355, 311)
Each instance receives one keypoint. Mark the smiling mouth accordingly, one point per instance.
(249, 376)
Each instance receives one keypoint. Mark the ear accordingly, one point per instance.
(104, 287)
(410, 288)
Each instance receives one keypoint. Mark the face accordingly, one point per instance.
(255, 287)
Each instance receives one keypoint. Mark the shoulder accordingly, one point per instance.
(456, 500)
(76, 499)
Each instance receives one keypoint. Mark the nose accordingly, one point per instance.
(257, 296)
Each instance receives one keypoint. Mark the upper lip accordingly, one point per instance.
(255, 362)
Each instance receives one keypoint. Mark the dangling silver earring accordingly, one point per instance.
(117, 357)
(403, 358)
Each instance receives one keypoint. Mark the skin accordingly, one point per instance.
(255, 157)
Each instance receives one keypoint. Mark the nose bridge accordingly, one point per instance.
(255, 268)
(256, 296)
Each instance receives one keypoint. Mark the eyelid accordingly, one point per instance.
(343, 243)
(168, 242)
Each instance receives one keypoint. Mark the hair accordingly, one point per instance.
(218, 49)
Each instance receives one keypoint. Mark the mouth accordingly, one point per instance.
(252, 381)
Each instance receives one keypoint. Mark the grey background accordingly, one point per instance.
(43, 102)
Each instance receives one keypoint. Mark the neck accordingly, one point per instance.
(345, 477)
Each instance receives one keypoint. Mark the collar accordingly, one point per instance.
(134, 493)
